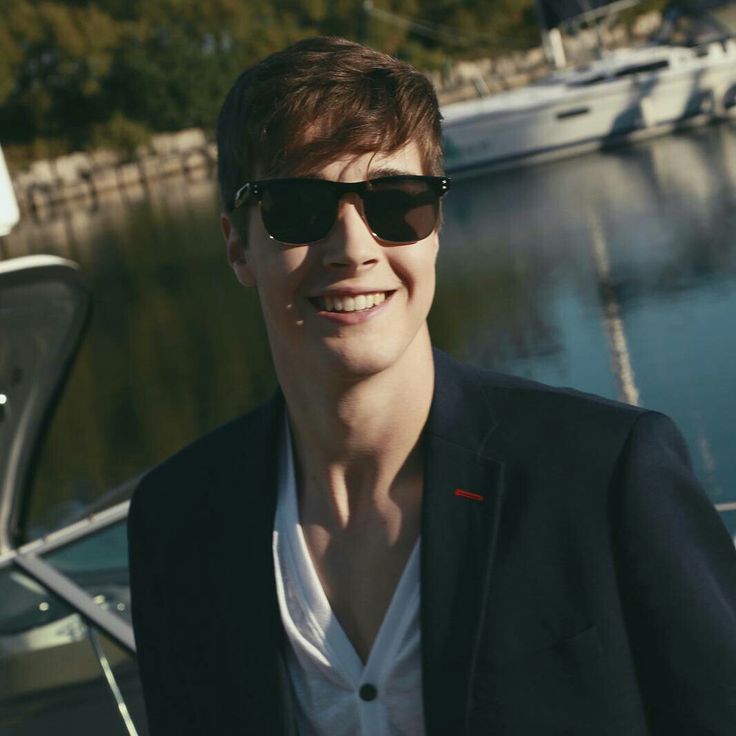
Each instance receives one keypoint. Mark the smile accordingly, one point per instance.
(349, 303)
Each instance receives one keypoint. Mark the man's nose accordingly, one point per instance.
(350, 245)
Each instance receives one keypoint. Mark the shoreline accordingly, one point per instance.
(48, 187)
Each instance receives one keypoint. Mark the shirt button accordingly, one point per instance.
(368, 692)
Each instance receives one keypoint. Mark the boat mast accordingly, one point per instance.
(588, 13)
(551, 14)
(552, 44)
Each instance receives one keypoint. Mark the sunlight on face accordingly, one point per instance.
(298, 285)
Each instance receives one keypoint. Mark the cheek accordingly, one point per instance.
(419, 264)
(279, 275)
(417, 273)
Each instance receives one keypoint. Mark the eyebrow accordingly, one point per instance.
(378, 173)
(372, 174)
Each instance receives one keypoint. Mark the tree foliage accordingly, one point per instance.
(72, 69)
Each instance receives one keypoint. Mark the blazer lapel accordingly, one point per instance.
(462, 499)
(243, 566)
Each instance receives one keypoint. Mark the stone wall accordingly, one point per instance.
(81, 179)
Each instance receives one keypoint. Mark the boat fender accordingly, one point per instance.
(729, 99)
(646, 113)
(724, 101)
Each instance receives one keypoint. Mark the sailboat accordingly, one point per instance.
(625, 94)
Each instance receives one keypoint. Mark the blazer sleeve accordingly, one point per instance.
(164, 691)
(677, 570)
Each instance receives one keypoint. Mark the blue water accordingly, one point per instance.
(664, 214)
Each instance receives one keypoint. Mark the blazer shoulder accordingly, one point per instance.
(522, 415)
(592, 424)
(503, 389)
(181, 479)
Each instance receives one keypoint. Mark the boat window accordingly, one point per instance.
(45, 304)
(595, 79)
(572, 112)
(52, 678)
(651, 66)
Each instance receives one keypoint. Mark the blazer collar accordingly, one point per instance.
(460, 513)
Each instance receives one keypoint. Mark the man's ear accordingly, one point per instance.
(235, 249)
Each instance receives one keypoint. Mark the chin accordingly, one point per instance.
(364, 358)
(360, 363)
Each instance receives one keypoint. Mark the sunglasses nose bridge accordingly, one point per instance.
(351, 196)
(351, 243)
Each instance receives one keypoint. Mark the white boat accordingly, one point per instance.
(9, 214)
(627, 93)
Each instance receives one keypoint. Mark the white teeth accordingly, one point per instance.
(351, 304)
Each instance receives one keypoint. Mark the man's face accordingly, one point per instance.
(298, 285)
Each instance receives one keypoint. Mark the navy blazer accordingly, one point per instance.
(581, 583)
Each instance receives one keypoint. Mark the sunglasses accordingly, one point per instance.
(397, 209)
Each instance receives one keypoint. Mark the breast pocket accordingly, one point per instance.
(558, 690)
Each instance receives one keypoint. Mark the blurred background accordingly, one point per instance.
(86, 74)
(175, 347)
(610, 271)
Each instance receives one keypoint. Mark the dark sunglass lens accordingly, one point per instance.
(402, 211)
(298, 211)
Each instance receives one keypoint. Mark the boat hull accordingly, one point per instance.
(557, 119)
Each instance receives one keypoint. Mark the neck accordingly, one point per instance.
(357, 441)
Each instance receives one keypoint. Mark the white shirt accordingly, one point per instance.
(326, 673)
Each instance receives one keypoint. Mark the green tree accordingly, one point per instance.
(73, 70)
(58, 59)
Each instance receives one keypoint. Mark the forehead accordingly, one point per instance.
(360, 166)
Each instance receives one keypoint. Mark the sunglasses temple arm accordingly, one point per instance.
(242, 195)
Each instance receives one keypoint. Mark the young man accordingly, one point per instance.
(397, 543)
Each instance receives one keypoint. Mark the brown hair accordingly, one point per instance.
(316, 100)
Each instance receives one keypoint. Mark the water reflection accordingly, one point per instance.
(176, 347)
(520, 267)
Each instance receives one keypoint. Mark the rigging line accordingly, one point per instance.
(111, 682)
(437, 30)
(426, 25)
(417, 27)
(617, 6)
